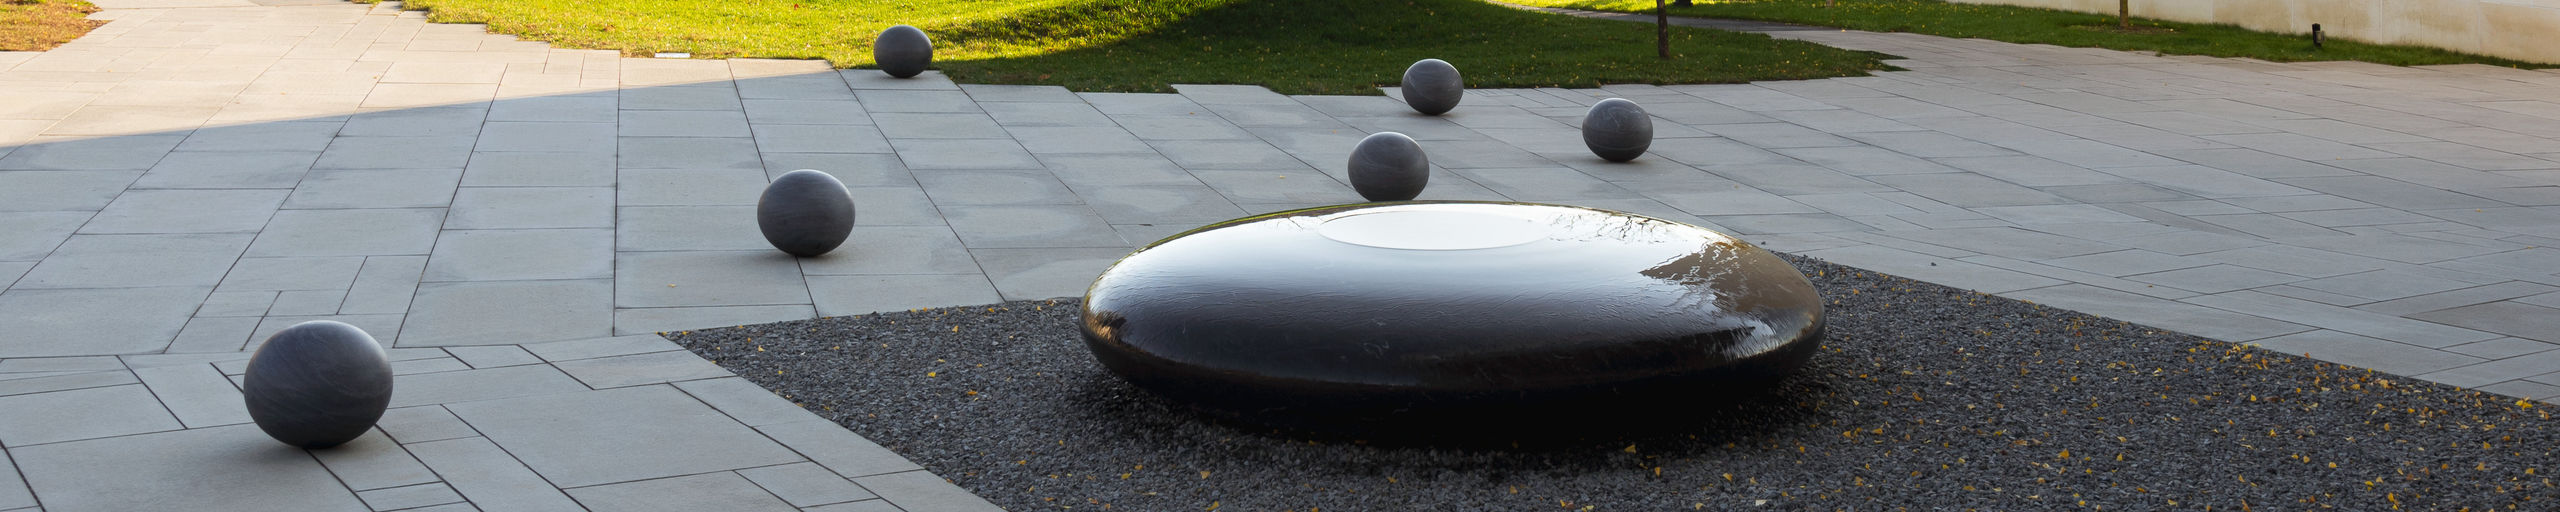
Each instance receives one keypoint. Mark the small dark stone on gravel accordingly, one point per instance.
(1924, 398)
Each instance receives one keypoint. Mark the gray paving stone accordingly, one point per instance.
(416, 122)
(1052, 114)
(199, 396)
(923, 154)
(598, 437)
(858, 506)
(864, 294)
(854, 169)
(224, 468)
(2296, 260)
(681, 123)
(557, 137)
(13, 489)
(711, 97)
(441, 152)
(129, 152)
(128, 261)
(745, 402)
(531, 207)
(2191, 319)
(703, 228)
(418, 424)
(1077, 139)
(2352, 321)
(493, 356)
(373, 461)
(2500, 370)
(276, 274)
(411, 497)
(483, 384)
(894, 250)
(2126, 262)
(61, 190)
(36, 323)
(707, 278)
(806, 484)
(818, 138)
(991, 93)
(1024, 274)
(924, 125)
(311, 136)
(806, 87)
(841, 451)
(1934, 269)
(885, 100)
(539, 169)
(49, 382)
(779, 111)
(2501, 348)
(962, 188)
(508, 312)
(29, 236)
(229, 169)
(689, 153)
(720, 491)
(918, 491)
(2388, 284)
(583, 108)
(601, 347)
(1119, 104)
(521, 254)
(2509, 318)
(2215, 278)
(405, 188)
(2367, 352)
(1037, 226)
(1180, 127)
(640, 369)
(654, 320)
(2390, 193)
(73, 415)
(409, 231)
(489, 477)
(384, 286)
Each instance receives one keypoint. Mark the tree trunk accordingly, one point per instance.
(1661, 30)
(2124, 14)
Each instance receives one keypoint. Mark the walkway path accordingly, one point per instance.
(516, 219)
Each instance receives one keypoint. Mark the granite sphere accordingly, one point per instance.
(902, 51)
(805, 213)
(1618, 130)
(1432, 87)
(1388, 166)
(1390, 309)
(317, 384)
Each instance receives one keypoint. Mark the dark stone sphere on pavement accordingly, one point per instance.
(902, 51)
(805, 213)
(1398, 309)
(317, 384)
(1388, 166)
(1432, 87)
(1617, 130)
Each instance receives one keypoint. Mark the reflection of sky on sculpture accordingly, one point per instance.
(1591, 268)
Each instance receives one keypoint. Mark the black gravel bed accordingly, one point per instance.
(1924, 398)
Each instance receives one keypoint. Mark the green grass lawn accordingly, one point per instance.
(2048, 26)
(39, 25)
(1292, 46)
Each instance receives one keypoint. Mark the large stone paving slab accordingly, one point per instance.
(223, 468)
(622, 435)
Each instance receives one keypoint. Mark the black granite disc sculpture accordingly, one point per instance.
(902, 51)
(317, 384)
(1618, 130)
(1388, 166)
(1386, 310)
(1433, 87)
(805, 213)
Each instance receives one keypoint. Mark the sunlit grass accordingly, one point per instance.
(2048, 26)
(38, 25)
(1294, 46)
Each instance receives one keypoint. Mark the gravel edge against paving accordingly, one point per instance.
(1925, 397)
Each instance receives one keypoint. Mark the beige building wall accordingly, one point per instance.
(2526, 30)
